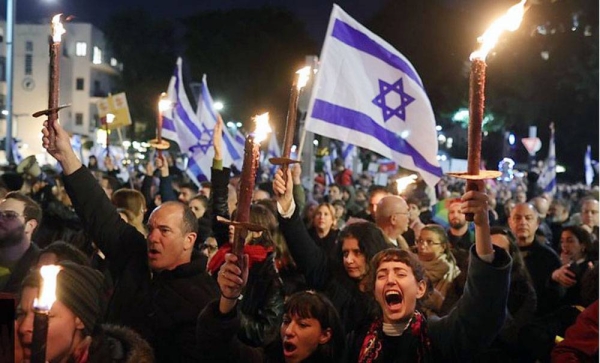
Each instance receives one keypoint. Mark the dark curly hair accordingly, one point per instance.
(370, 239)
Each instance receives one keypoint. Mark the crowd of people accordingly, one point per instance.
(349, 272)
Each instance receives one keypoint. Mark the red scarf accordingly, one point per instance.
(256, 253)
(371, 348)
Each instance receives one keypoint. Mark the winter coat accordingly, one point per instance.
(118, 344)
(21, 269)
(162, 306)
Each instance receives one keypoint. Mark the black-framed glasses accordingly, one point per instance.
(9, 215)
(427, 242)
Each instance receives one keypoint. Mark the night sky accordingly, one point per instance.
(315, 13)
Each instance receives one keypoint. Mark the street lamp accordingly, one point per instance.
(218, 105)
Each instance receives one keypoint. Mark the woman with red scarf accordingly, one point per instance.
(403, 334)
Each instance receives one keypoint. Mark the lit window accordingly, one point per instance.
(81, 49)
(97, 56)
(113, 62)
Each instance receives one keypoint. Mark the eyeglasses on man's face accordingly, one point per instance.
(9, 215)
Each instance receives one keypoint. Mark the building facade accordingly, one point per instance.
(88, 73)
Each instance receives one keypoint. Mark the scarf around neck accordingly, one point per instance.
(443, 267)
(415, 334)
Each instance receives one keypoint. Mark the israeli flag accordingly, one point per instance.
(547, 179)
(233, 145)
(368, 94)
(348, 154)
(193, 131)
(589, 169)
(329, 179)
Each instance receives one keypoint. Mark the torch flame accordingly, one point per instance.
(509, 21)
(303, 76)
(57, 28)
(402, 183)
(262, 127)
(48, 290)
(164, 103)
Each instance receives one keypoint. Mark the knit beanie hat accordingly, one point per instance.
(80, 288)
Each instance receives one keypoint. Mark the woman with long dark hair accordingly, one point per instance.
(342, 275)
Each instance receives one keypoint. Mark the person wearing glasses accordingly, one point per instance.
(19, 218)
(441, 269)
(391, 217)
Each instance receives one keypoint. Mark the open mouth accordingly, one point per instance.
(288, 348)
(26, 348)
(393, 298)
(153, 252)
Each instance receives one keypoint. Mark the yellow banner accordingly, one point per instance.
(117, 106)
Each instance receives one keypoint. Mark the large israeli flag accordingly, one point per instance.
(368, 94)
(547, 179)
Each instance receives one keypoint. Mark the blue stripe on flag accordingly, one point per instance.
(168, 124)
(356, 39)
(360, 122)
(195, 170)
(184, 117)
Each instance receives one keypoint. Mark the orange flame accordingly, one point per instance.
(509, 21)
(164, 103)
(303, 76)
(262, 127)
(48, 292)
(57, 28)
(403, 183)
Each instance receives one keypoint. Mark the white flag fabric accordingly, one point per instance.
(348, 153)
(368, 94)
(547, 179)
(589, 169)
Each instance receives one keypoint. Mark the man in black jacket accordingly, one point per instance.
(161, 286)
(19, 218)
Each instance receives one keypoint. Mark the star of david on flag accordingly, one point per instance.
(366, 93)
(381, 101)
(192, 131)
